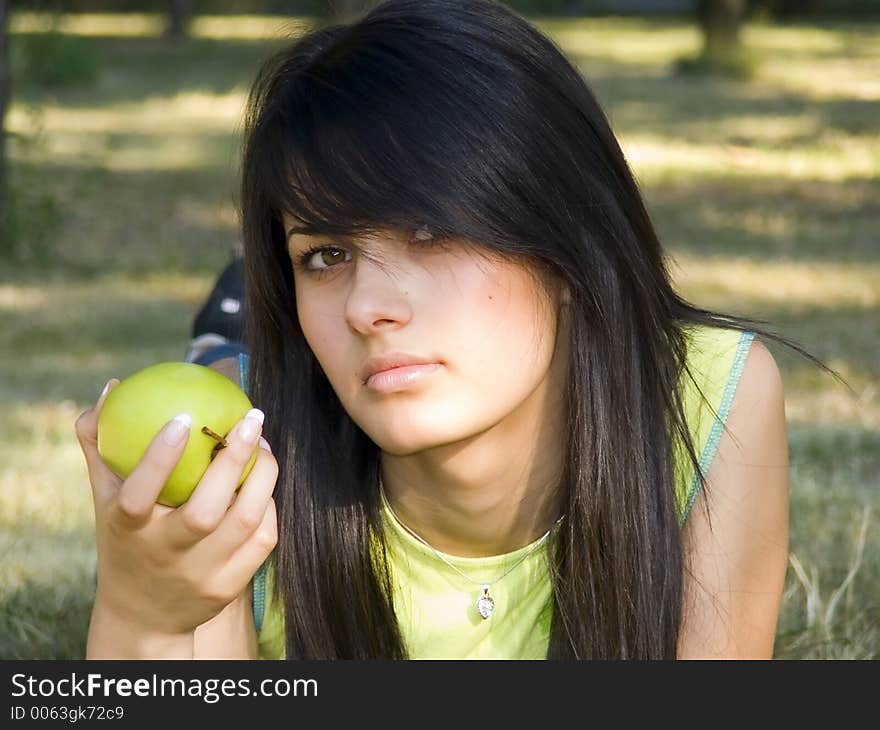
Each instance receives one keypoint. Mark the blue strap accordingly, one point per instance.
(219, 352)
(259, 596)
(243, 370)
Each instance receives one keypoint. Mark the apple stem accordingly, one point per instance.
(221, 442)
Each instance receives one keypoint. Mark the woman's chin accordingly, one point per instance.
(397, 443)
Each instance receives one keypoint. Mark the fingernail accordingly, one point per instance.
(251, 425)
(265, 445)
(106, 389)
(177, 429)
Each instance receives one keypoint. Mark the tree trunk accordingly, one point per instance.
(721, 21)
(5, 81)
(179, 12)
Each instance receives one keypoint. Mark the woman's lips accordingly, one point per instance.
(401, 378)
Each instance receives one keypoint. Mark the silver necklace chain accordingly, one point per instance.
(485, 602)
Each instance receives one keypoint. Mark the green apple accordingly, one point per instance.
(141, 404)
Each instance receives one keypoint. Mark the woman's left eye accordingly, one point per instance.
(304, 260)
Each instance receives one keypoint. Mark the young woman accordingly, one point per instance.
(496, 429)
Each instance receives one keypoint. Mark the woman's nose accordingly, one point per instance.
(377, 298)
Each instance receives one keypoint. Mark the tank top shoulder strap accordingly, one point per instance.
(716, 357)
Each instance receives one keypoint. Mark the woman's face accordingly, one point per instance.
(484, 321)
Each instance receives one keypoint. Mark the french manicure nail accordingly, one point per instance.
(177, 429)
(265, 445)
(107, 389)
(251, 425)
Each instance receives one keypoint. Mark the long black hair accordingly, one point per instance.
(460, 115)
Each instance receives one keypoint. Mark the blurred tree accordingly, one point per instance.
(4, 99)
(721, 22)
(723, 52)
(179, 12)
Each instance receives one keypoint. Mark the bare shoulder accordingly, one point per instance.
(754, 432)
(228, 366)
(761, 380)
(736, 536)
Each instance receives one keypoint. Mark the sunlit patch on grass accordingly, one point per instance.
(45, 499)
(656, 156)
(145, 25)
(122, 25)
(182, 152)
(180, 288)
(820, 63)
(817, 62)
(57, 299)
(185, 131)
(194, 111)
(624, 41)
(841, 78)
(249, 27)
(765, 129)
(791, 282)
(837, 407)
(14, 298)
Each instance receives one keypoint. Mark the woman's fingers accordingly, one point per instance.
(240, 568)
(247, 514)
(104, 481)
(200, 515)
(136, 498)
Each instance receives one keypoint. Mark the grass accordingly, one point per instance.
(764, 192)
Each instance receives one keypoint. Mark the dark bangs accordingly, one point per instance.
(398, 125)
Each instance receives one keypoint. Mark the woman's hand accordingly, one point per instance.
(163, 571)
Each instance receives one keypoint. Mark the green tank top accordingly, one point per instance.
(436, 607)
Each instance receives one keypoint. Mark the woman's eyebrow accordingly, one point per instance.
(298, 229)
(311, 232)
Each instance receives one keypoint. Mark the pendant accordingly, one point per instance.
(485, 604)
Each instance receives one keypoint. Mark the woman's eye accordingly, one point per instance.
(319, 260)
